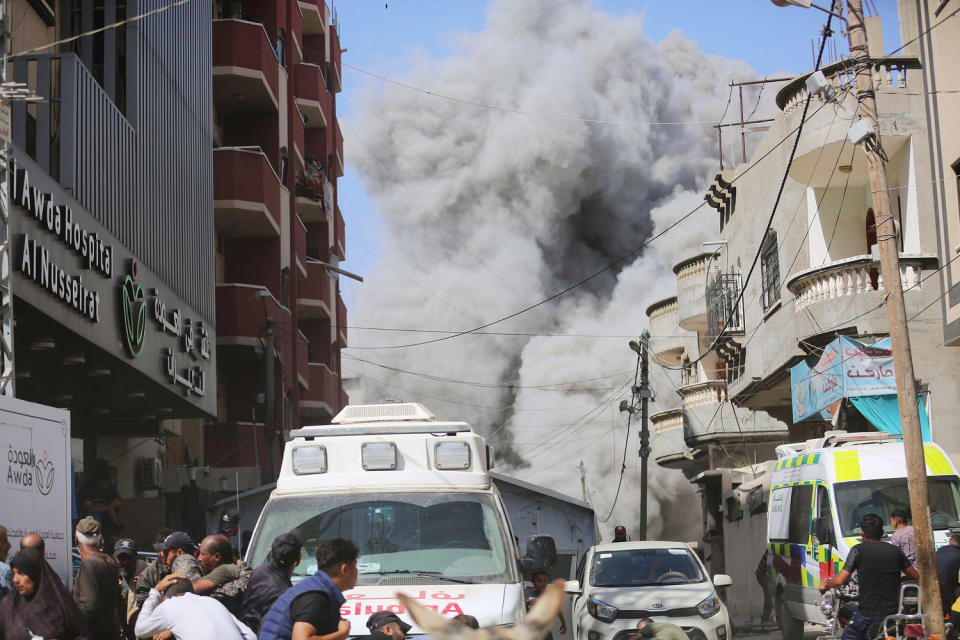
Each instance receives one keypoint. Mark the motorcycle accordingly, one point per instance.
(838, 606)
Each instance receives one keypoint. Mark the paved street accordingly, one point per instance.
(810, 632)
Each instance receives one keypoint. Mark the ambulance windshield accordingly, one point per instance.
(404, 538)
(856, 499)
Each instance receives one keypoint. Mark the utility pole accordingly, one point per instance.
(897, 315)
(642, 391)
(644, 428)
(268, 395)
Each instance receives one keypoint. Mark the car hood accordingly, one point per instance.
(654, 597)
(483, 601)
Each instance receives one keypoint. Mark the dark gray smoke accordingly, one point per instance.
(488, 211)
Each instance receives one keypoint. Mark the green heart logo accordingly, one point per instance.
(134, 312)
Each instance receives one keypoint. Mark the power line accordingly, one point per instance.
(527, 113)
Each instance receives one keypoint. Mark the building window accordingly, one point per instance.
(769, 270)
(724, 305)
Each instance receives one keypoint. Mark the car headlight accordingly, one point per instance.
(709, 606)
(601, 610)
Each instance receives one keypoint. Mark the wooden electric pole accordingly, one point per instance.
(897, 315)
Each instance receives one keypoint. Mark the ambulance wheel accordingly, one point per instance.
(790, 628)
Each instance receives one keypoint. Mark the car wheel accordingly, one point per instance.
(790, 628)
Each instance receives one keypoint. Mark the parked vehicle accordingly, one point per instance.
(415, 495)
(819, 491)
(622, 582)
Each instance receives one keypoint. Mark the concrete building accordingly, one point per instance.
(817, 278)
(278, 154)
(111, 223)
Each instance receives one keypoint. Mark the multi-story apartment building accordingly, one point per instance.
(817, 279)
(278, 154)
(111, 229)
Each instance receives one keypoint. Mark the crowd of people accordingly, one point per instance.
(190, 591)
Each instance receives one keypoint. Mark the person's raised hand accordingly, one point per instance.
(167, 581)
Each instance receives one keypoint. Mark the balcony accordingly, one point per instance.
(297, 136)
(667, 340)
(335, 58)
(321, 400)
(890, 74)
(246, 193)
(314, 194)
(341, 321)
(338, 143)
(303, 349)
(300, 245)
(667, 444)
(245, 68)
(855, 276)
(314, 17)
(240, 313)
(708, 417)
(312, 97)
(691, 292)
(296, 26)
(339, 234)
(315, 296)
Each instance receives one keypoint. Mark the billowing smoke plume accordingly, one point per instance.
(488, 211)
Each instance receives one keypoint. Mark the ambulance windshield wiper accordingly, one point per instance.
(422, 574)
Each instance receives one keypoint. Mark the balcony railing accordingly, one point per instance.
(708, 392)
(668, 444)
(338, 144)
(300, 244)
(340, 235)
(296, 26)
(341, 321)
(666, 339)
(246, 193)
(245, 68)
(297, 135)
(691, 284)
(303, 349)
(240, 313)
(322, 397)
(889, 74)
(314, 297)
(858, 275)
(724, 305)
(311, 94)
(314, 16)
(335, 57)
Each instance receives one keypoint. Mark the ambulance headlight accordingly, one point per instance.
(452, 455)
(311, 459)
(378, 456)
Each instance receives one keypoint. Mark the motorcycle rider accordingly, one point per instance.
(878, 565)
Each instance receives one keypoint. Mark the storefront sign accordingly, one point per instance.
(847, 368)
(75, 262)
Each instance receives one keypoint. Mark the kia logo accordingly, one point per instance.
(657, 605)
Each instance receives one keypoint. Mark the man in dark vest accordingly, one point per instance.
(270, 580)
(312, 607)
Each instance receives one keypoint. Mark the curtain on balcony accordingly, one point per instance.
(883, 412)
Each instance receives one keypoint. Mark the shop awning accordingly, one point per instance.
(883, 412)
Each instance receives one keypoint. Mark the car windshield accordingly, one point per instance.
(456, 537)
(856, 499)
(640, 567)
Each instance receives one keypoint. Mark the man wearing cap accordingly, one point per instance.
(229, 524)
(620, 534)
(270, 579)
(386, 625)
(176, 545)
(131, 566)
(96, 589)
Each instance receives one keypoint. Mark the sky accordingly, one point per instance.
(387, 37)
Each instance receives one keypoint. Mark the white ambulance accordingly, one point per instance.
(819, 491)
(415, 495)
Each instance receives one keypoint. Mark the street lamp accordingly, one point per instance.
(806, 4)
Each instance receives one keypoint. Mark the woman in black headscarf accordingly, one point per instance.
(39, 605)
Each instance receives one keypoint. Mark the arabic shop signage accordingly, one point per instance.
(847, 368)
(117, 304)
(191, 336)
(36, 261)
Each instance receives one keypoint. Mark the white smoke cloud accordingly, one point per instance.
(488, 211)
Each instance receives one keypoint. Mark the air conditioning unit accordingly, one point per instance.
(149, 473)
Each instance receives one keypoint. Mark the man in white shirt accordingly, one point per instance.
(182, 614)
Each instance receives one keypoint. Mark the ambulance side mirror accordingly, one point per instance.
(541, 553)
(823, 531)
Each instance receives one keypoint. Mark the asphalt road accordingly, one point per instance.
(810, 632)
